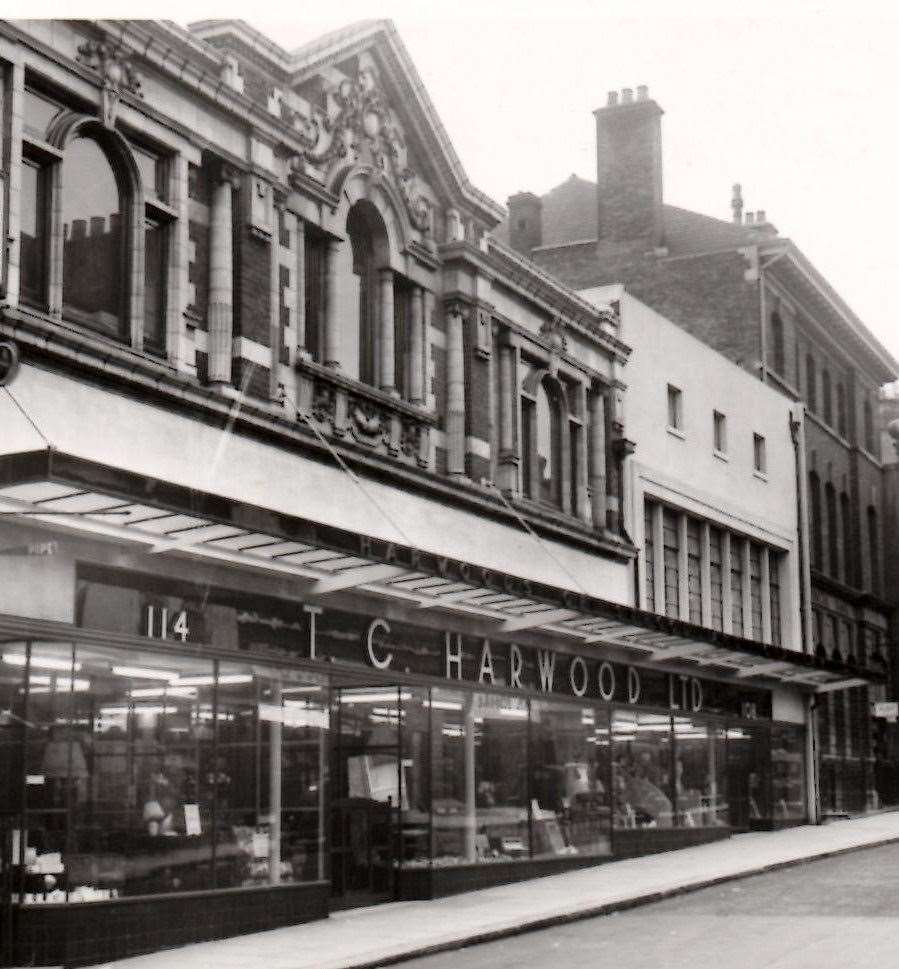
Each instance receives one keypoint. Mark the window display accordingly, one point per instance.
(642, 769)
(787, 771)
(700, 780)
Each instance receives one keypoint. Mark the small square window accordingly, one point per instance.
(719, 427)
(675, 408)
(760, 460)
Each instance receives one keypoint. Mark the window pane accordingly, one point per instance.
(755, 590)
(32, 233)
(672, 563)
(152, 172)
(694, 569)
(699, 775)
(787, 771)
(569, 784)
(641, 748)
(649, 557)
(548, 446)
(93, 256)
(716, 578)
(154, 284)
(736, 586)
(38, 113)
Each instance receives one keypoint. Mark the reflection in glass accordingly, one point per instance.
(32, 233)
(154, 284)
(641, 748)
(548, 446)
(788, 771)
(699, 774)
(93, 252)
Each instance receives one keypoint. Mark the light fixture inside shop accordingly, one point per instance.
(39, 662)
(207, 679)
(387, 696)
(142, 673)
(156, 691)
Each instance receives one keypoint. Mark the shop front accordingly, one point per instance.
(279, 718)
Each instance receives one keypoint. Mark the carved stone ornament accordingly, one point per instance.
(117, 71)
(553, 331)
(358, 127)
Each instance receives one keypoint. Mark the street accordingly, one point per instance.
(838, 913)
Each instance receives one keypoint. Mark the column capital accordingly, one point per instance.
(457, 307)
(224, 173)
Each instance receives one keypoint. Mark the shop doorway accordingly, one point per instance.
(366, 795)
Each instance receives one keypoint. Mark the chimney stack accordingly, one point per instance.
(525, 221)
(736, 203)
(629, 169)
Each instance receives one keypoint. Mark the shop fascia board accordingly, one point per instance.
(97, 490)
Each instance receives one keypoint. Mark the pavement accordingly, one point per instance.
(390, 933)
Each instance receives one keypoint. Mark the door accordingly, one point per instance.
(366, 795)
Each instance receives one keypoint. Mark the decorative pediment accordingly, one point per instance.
(358, 128)
(117, 71)
(553, 331)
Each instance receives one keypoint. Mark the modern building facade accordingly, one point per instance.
(753, 296)
(318, 586)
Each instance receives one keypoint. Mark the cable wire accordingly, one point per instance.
(28, 418)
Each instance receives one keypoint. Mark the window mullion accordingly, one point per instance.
(765, 553)
(705, 574)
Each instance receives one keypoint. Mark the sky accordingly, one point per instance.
(797, 102)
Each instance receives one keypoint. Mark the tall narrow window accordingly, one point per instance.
(826, 403)
(361, 224)
(33, 234)
(548, 446)
(649, 562)
(874, 549)
(694, 569)
(814, 507)
(842, 422)
(777, 344)
(716, 578)
(401, 297)
(833, 540)
(314, 278)
(774, 560)
(736, 585)
(719, 432)
(155, 278)
(755, 591)
(672, 563)
(846, 523)
(759, 455)
(811, 383)
(869, 427)
(94, 269)
(675, 408)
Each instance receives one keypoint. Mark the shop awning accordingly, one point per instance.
(82, 496)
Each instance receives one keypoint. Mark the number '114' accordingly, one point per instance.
(159, 627)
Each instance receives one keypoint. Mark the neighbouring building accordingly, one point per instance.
(318, 585)
(755, 297)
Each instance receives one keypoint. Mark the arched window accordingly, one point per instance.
(94, 269)
(833, 543)
(367, 233)
(777, 343)
(846, 522)
(814, 506)
(811, 383)
(825, 397)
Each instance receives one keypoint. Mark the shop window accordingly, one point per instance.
(736, 586)
(642, 770)
(755, 590)
(700, 774)
(777, 343)
(788, 772)
(675, 408)
(814, 501)
(163, 773)
(719, 432)
(774, 563)
(716, 577)
(570, 775)
(759, 454)
(827, 403)
(671, 549)
(649, 563)
(694, 569)
(748, 774)
(833, 537)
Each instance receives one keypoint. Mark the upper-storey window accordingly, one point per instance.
(675, 408)
(365, 229)
(869, 426)
(541, 433)
(811, 383)
(96, 227)
(842, 422)
(94, 269)
(827, 403)
(719, 432)
(777, 343)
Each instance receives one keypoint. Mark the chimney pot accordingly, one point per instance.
(627, 95)
(612, 99)
(736, 202)
(642, 92)
(750, 218)
(760, 217)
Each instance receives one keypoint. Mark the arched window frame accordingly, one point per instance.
(48, 155)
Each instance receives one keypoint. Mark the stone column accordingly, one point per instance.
(387, 332)
(416, 346)
(455, 389)
(508, 410)
(221, 280)
(300, 288)
(332, 323)
(598, 459)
